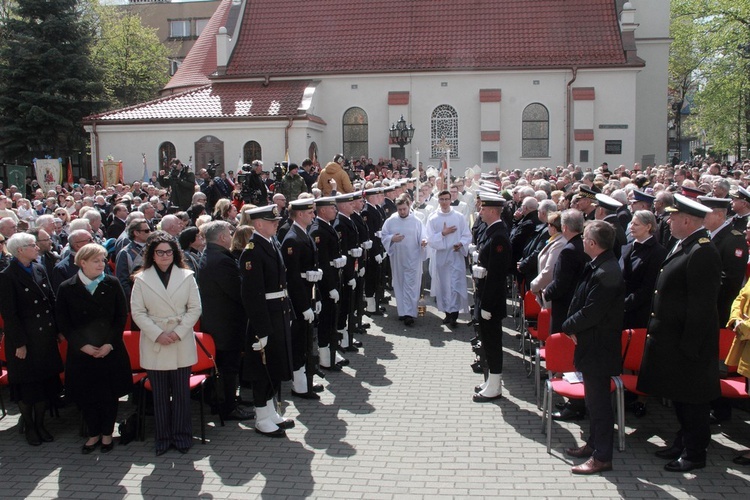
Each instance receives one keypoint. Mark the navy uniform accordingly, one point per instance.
(494, 260)
(268, 359)
(739, 222)
(372, 216)
(301, 260)
(610, 206)
(366, 244)
(329, 260)
(351, 250)
(586, 192)
(682, 345)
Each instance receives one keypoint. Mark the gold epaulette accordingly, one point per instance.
(703, 241)
(250, 246)
(736, 233)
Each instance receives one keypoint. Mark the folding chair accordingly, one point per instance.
(3, 375)
(731, 387)
(559, 359)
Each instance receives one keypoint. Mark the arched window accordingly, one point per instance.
(251, 152)
(355, 133)
(535, 132)
(444, 126)
(167, 151)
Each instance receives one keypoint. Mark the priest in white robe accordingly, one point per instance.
(404, 240)
(449, 236)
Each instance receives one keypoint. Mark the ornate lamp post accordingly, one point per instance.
(401, 134)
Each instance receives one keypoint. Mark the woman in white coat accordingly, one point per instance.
(165, 304)
(548, 257)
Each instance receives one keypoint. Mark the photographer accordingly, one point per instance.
(253, 188)
(181, 181)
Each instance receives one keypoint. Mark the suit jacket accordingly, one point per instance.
(115, 228)
(156, 309)
(640, 268)
(300, 255)
(682, 346)
(63, 270)
(95, 319)
(732, 249)
(495, 256)
(568, 268)
(223, 316)
(27, 306)
(595, 317)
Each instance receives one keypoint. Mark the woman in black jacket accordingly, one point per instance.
(91, 313)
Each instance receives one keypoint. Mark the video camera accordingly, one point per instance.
(278, 171)
(211, 168)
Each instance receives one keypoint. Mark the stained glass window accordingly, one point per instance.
(535, 132)
(167, 151)
(251, 152)
(444, 125)
(355, 133)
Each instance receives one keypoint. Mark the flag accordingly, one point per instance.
(70, 172)
(146, 177)
(120, 175)
(239, 164)
(286, 157)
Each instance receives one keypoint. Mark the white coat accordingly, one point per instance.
(156, 310)
(546, 262)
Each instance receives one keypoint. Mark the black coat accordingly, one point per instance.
(522, 233)
(327, 242)
(374, 220)
(115, 228)
(96, 319)
(63, 270)
(567, 270)
(27, 305)
(262, 272)
(595, 317)
(680, 361)
(732, 249)
(348, 240)
(182, 185)
(223, 315)
(389, 207)
(620, 238)
(300, 255)
(528, 266)
(495, 256)
(640, 268)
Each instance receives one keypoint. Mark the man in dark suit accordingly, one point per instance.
(223, 315)
(680, 357)
(301, 260)
(117, 224)
(47, 257)
(67, 268)
(180, 181)
(595, 325)
(268, 358)
(493, 263)
(525, 228)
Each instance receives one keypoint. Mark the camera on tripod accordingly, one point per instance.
(211, 168)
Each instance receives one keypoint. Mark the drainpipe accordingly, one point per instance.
(95, 159)
(286, 136)
(568, 113)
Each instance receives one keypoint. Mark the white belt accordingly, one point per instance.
(276, 295)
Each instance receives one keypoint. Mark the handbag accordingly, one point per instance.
(215, 382)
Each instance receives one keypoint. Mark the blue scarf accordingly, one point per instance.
(91, 286)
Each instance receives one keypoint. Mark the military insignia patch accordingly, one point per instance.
(736, 233)
(499, 248)
(738, 252)
(289, 251)
(248, 265)
(250, 246)
(703, 241)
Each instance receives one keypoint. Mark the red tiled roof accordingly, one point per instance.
(221, 100)
(201, 60)
(280, 38)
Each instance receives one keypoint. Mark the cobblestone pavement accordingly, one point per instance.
(397, 423)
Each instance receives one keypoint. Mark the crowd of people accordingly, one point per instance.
(281, 274)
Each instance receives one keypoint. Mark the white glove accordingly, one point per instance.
(341, 262)
(260, 345)
(334, 294)
(478, 272)
(367, 245)
(318, 307)
(361, 272)
(472, 247)
(475, 257)
(486, 315)
(383, 255)
(378, 234)
(378, 258)
(355, 252)
(352, 283)
(309, 315)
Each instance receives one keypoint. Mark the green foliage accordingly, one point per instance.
(133, 59)
(47, 82)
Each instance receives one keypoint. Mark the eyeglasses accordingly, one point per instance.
(31, 245)
(164, 253)
(41, 241)
(147, 230)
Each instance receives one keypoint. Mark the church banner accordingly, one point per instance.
(110, 172)
(48, 173)
(17, 176)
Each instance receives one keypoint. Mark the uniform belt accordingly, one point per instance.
(276, 295)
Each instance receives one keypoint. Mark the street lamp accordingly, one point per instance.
(401, 134)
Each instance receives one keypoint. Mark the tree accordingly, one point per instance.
(131, 55)
(47, 81)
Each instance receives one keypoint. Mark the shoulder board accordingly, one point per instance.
(703, 241)
(736, 233)
(250, 246)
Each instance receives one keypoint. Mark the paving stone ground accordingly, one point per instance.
(397, 423)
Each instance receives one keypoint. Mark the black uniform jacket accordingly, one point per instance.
(327, 242)
(640, 268)
(682, 347)
(732, 249)
(374, 220)
(495, 256)
(595, 317)
(348, 240)
(300, 255)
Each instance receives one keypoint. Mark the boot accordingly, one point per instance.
(263, 423)
(281, 422)
(40, 412)
(492, 390)
(32, 436)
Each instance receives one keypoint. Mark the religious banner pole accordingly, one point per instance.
(416, 193)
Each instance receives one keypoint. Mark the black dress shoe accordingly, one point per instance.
(409, 321)
(560, 405)
(639, 409)
(670, 453)
(287, 423)
(741, 460)
(584, 451)
(317, 388)
(374, 313)
(684, 465)
(447, 319)
(567, 415)
(274, 434)
(401, 318)
(87, 449)
(476, 367)
(365, 326)
(106, 448)
(183, 449)
(343, 362)
(351, 348)
(334, 368)
(161, 452)
(44, 435)
(357, 343)
(305, 395)
(238, 414)
(478, 398)
(477, 389)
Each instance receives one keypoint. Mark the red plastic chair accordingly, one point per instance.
(3, 374)
(559, 360)
(731, 387)
(539, 335)
(531, 310)
(201, 371)
(633, 344)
